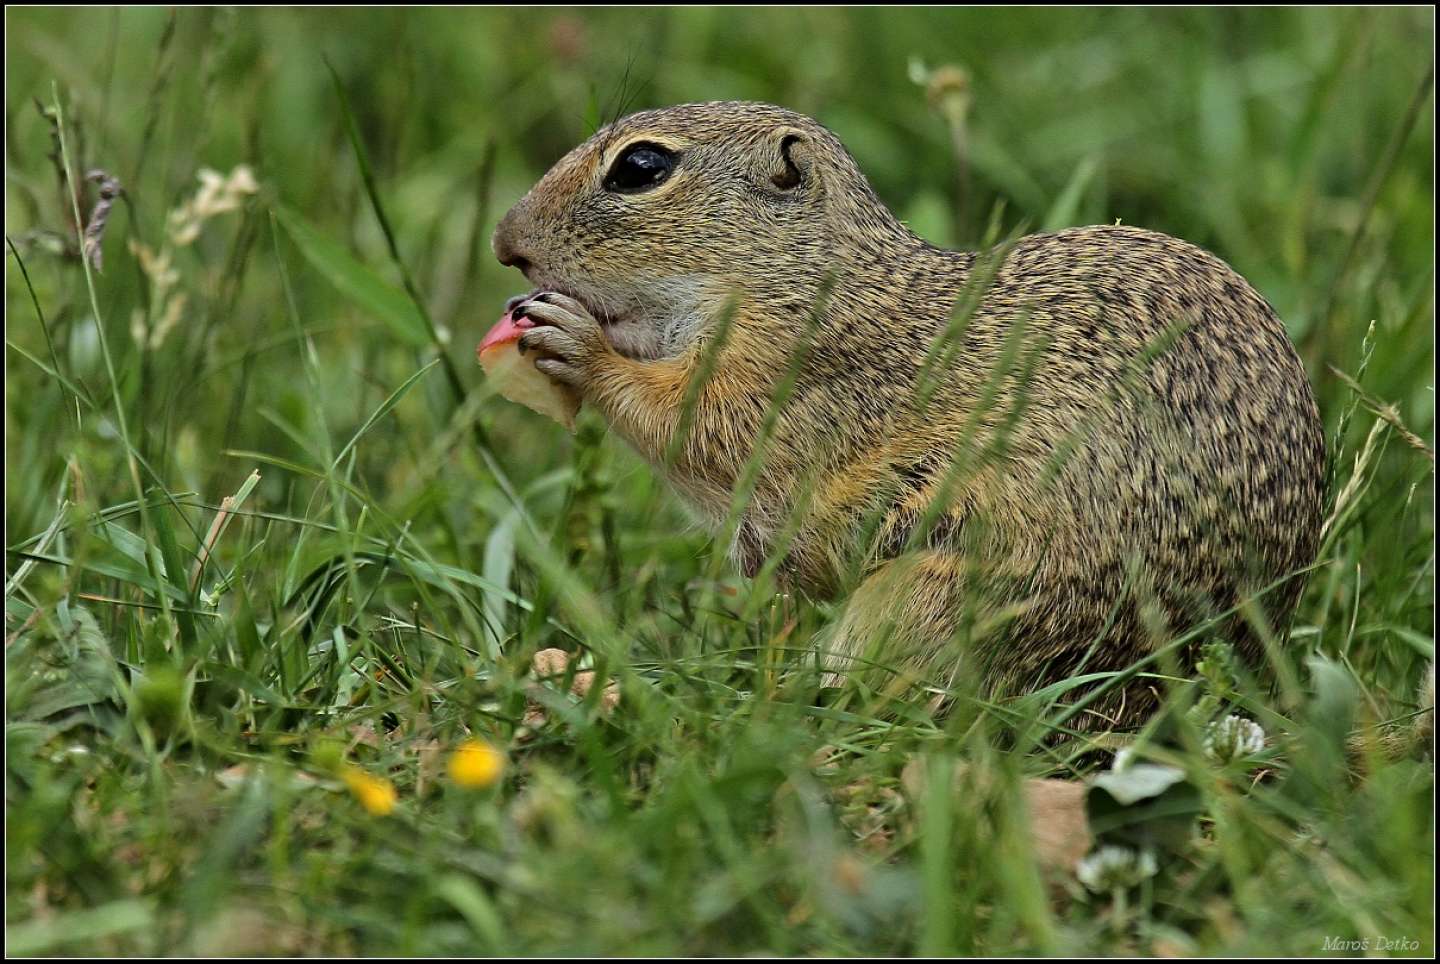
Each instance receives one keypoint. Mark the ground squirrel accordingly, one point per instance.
(1016, 465)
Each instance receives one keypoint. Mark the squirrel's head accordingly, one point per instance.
(660, 218)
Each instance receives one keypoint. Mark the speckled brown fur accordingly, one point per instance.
(1129, 439)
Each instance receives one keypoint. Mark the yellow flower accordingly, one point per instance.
(476, 764)
(376, 794)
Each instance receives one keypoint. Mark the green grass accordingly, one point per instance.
(185, 675)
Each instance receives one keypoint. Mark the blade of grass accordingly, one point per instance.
(452, 376)
(131, 459)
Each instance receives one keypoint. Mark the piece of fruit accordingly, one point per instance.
(516, 376)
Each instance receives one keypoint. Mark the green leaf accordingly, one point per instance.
(1332, 709)
(75, 390)
(34, 937)
(113, 569)
(24, 741)
(499, 562)
(247, 637)
(175, 574)
(465, 895)
(1164, 820)
(44, 676)
(247, 683)
(1143, 804)
(382, 411)
(354, 280)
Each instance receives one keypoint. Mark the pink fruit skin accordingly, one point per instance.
(507, 329)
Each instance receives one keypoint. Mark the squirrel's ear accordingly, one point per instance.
(790, 163)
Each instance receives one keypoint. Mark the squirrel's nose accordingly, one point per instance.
(505, 245)
(509, 257)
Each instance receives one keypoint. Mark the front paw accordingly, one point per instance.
(569, 339)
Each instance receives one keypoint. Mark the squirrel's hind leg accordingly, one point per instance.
(909, 623)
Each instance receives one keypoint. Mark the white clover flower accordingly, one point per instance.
(1112, 868)
(1233, 738)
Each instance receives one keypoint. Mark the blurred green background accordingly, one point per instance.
(1296, 143)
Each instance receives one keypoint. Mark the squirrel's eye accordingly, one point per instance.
(640, 168)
